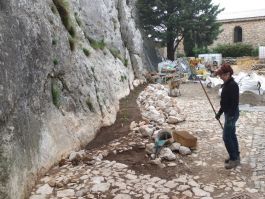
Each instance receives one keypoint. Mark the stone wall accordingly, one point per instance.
(252, 31)
(57, 88)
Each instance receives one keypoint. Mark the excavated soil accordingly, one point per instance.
(136, 158)
(129, 111)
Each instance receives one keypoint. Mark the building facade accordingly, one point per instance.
(245, 30)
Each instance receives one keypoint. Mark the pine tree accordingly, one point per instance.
(167, 21)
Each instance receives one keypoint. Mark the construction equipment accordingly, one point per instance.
(164, 137)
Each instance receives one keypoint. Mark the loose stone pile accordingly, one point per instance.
(167, 151)
(160, 111)
(157, 106)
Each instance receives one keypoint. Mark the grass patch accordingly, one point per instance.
(116, 53)
(114, 23)
(90, 105)
(71, 43)
(78, 20)
(54, 42)
(56, 94)
(63, 9)
(86, 52)
(123, 78)
(96, 44)
(55, 62)
(53, 9)
(72, 31)
(126, 62)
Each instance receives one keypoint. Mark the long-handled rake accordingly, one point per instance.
(210, 103)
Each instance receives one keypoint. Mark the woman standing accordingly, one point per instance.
(229, 106)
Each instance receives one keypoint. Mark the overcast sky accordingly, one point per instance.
(232, 6)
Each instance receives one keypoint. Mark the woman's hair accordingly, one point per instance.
(225, 68)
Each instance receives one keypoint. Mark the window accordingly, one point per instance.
(238, 34)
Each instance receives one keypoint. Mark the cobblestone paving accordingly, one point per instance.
(98, 178)
(256, 156)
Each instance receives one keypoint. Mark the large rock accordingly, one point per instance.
(185, 139)
(167, 154)
(53, 97)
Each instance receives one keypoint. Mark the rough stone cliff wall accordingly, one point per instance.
(64, 66)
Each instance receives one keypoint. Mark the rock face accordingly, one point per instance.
(64, 66)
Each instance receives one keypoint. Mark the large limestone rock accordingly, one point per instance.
(53, 98)
(185, 138)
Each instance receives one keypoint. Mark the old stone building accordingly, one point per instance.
(247, 27)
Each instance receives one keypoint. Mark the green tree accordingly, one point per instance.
(202, 34)
(188, 43)
(168, 21)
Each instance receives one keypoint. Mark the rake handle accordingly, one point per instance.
(210, 103)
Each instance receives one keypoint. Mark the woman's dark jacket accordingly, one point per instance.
(229, 98)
